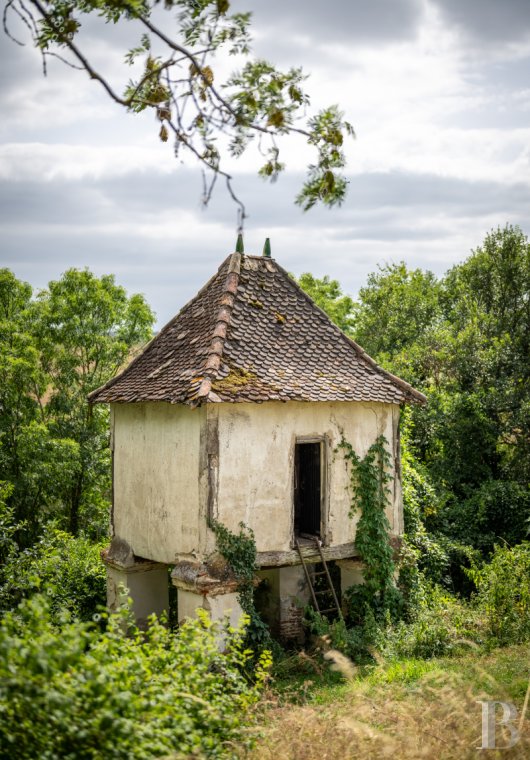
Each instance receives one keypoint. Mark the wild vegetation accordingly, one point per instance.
(72, 684)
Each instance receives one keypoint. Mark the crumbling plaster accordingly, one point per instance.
(174, 466)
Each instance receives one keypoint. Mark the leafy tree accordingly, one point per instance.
(54, 350)
(174, 76)
(395, 309)
(488, 305)
(328, 295)
(38, 465)
(86, 328)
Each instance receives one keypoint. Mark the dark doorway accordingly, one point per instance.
(307, 488)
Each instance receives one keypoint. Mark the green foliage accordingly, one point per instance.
(75, 692)
(239, 550)
(8, 526)
(395, 309)
(325, 184)
(441, 625)
(497, 509)
(503, 593)
(54, 350)
(328, 295)
(189, 92)
(369, 478)
(68, 570)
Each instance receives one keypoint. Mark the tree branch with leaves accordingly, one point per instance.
(258, 104)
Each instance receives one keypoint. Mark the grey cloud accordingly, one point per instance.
(488, 20)
(343, 20)
(48, 227)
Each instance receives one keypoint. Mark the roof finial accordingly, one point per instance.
(240, 248)
(267, 248)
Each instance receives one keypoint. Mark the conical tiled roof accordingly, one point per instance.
(252, 334)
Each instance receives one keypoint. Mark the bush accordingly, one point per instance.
(69, 570)
(503, 593)
(356, 642)
(440, 626)
(74, 692)
(496, 510)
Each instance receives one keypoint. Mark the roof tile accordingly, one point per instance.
(251, 335)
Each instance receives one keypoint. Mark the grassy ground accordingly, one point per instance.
(406, 709)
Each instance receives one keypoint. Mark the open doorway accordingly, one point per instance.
(308, 472)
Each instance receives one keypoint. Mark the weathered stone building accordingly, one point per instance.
(233, 412)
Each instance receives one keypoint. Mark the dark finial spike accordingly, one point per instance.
(240, 248)
(267, 248)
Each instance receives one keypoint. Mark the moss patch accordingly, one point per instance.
(236, 378)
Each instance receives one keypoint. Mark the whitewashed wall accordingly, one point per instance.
(174, 465)
(256, 464)
(156, 478)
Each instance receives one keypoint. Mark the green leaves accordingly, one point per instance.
(369, 482)
(74, 691)
(503, 593)
(68, 570)
(326, 132)
(182, 86)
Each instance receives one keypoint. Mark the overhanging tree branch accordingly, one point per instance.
(256, 100)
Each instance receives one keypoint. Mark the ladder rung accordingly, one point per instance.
(332, 609)
(323, 572)
(323, 591)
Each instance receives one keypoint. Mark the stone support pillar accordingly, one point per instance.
(211, 587)
(146, 582)
(351, 573)
(284, 595)
(219, 607)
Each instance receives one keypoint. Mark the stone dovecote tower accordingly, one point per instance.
(233, 412)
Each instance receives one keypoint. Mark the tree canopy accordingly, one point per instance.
(175, 73)
(54, 350)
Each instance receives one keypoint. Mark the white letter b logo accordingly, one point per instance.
(509, 715)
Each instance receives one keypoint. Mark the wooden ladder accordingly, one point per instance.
(325, 573)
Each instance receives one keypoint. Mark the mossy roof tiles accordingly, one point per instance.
(251, 335)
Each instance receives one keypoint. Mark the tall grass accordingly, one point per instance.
(403, 710)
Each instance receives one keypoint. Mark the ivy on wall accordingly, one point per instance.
(369, 479)
(239, 551)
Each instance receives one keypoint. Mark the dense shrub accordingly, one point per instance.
(353, 641)
(497, 510)
(74, 692)
(503, 593)
(441, 625)
(69, 570)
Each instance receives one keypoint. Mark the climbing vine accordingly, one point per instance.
(369, 481)
(239, 551)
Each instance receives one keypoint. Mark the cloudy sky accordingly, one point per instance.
(438, 92)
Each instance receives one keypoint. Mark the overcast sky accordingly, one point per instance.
(437, 90)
